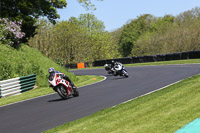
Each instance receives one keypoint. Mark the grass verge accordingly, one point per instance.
(173, 62)
(164, 111)
(41, 91)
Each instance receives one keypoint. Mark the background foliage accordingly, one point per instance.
(10, 32)
(149, 35)
(29, 11)
(84, 39)
(80, 39)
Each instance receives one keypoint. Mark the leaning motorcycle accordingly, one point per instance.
(62, 86)
(108, 69)
(118, 70)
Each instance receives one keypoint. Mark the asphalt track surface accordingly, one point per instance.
(47, 112)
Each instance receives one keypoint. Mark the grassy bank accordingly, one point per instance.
(163, 111)
(25, 61)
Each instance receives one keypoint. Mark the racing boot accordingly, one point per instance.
(74, 87)
(115, 73)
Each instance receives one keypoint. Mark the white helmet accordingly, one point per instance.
(51, 70)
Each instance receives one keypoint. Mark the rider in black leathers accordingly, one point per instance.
(114, 64)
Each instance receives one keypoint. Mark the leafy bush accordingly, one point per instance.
(10, 32)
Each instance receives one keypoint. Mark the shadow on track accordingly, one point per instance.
(60, 99)
(108, 75)
(118, 78)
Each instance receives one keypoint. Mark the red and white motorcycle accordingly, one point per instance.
(62, 86)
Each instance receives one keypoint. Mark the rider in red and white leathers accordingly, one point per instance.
(62, 75)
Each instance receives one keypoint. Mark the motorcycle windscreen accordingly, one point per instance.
(51, 76)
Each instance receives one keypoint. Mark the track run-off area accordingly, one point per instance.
(49, 111)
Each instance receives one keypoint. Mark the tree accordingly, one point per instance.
(74, 41)
(90, 23)
(152, 41)
(88, 4)
(132, 31)
(116, 37)
(170, 34)
(161, 24)
(30, 10)
(188, 15)
(99, 44)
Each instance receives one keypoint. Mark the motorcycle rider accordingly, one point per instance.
(62, 75)
(114, 65)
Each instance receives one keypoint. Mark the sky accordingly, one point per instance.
(116, 13)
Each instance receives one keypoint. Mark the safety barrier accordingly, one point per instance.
(17, 86)
(78, 65)
(142, 59)
(151, 58)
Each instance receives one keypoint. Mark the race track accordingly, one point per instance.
(37, 115)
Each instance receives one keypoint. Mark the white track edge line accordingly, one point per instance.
(152, 91)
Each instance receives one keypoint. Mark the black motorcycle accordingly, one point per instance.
(108, 69)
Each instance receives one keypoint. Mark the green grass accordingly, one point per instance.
(173, 62)
(25, 61)
(163, 111)
(41, 91)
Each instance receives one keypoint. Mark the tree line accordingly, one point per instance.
(82, 39)
(150, 35)
(28, 11)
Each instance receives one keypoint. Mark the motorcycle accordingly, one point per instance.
(119, 69)
(62, 86)
(108, 69)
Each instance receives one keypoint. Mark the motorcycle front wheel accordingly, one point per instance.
(125, 73)
(62, 92)
(76, 93)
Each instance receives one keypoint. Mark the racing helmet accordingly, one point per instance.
(51, 70)
(112, 62)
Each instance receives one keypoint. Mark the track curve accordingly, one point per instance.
(47, 112)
